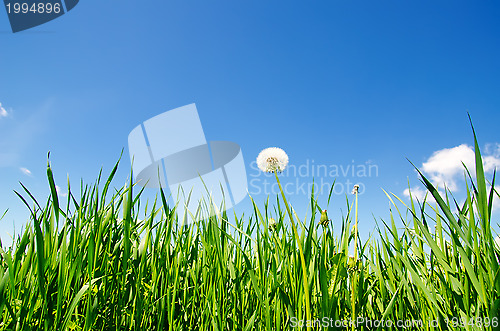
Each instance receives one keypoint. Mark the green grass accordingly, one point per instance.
(100, 264)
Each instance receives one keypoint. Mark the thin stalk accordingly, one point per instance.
(356, 228)
(354, 280)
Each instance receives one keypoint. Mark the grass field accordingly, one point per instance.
(100, 264)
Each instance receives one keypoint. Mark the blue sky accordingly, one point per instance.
(338, 82)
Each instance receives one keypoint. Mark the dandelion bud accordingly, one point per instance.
(324, 218)
(272, 224)
(354, 264)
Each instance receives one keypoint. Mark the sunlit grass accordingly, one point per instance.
(102, 263)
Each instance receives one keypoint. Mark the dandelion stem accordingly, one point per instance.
(301, 252)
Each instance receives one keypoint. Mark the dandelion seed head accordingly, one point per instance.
(355, 189)
(497, 241)
(272, 159)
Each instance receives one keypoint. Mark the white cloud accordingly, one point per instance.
(496, 200)
(417, 193)
(496, 204)
(3, 112)
(492, 159)
(25, 171)
(445, 166)
(60, 192)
